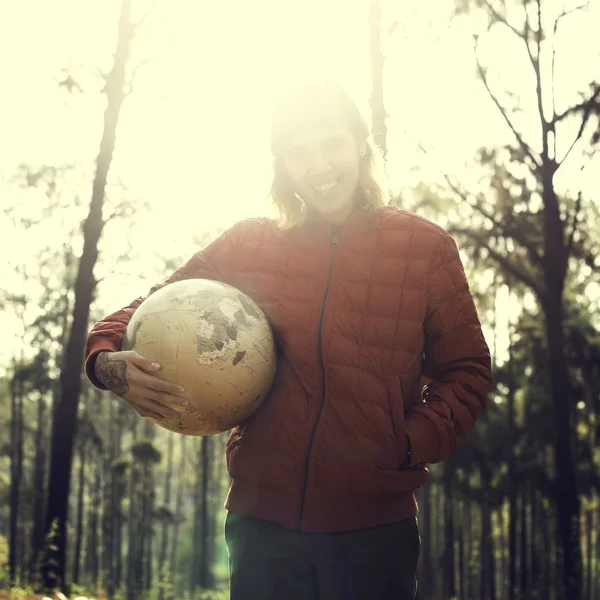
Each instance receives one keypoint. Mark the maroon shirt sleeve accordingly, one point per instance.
(209, 263)
(457, 363)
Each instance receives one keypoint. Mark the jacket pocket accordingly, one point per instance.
(395, 398)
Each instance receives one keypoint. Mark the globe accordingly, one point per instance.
(213, 340)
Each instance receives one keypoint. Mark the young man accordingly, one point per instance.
(365, 301)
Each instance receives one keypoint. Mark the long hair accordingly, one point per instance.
(372, 181)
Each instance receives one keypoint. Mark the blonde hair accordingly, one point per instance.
(372, 181)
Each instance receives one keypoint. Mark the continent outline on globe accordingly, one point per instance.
(214, 340)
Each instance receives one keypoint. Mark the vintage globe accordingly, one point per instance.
(213, 340)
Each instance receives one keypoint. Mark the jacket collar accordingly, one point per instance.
(361, 218)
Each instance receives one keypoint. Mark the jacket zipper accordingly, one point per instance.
(334, 244)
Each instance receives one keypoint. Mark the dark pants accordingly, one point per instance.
(269, 562)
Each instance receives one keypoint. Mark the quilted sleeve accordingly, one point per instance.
(212, 262)
(457, 363)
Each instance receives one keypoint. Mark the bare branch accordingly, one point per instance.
(137, 24)
(538, 82)
(587, 113)
(134, 74)
(476, 203)
(522, 35)
(508, 265)
(503, 111)
(577, 108)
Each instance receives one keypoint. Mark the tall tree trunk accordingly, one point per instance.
(378, 112)
(79, 525)
(133, 533)
(449, 557)
(470, 534)
(92, 565)
(179, 493)
(199, 531)
(108, 502)
(566, 484)
(425, 527)
(589, 524)
(206, 579)
(65, 424)
(501, 575)
(16, 471)
(164, 539)
(39, 488)
(512, 486)
(546, 540)
(487, 541)
(462, 575)
(555, 267)
(536, 550)
(523, 563)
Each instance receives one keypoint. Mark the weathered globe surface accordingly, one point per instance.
(213, 340)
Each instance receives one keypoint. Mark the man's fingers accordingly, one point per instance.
(166, 387)
(144, 412)
(144, 363)
(155, 410)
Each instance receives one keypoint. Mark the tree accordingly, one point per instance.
(542, 230)
(65, 422)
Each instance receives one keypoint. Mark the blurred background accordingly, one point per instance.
(132, 132)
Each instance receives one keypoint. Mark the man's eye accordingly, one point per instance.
(296, 154)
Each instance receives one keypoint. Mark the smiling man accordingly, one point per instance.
(365, 300)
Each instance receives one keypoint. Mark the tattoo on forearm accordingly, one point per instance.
(112, 373)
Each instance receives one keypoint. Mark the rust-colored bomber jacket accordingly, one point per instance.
(363, 314)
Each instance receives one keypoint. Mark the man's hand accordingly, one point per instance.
(127, 374)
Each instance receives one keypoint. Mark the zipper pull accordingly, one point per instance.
(335, 237)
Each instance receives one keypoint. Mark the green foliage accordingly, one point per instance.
(222, 594)
(3, 561)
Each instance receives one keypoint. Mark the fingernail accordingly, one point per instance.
(155, 366)
(181, 389)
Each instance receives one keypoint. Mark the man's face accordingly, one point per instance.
(323, 164)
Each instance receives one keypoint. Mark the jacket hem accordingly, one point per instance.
(324, 511)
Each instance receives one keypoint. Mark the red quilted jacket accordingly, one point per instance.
(362, 314)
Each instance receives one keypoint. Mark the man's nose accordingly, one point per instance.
(319, 164)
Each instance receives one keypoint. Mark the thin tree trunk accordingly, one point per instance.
(92, 562)
(512, 486)
(535, 547)
(164, 540)
(178, 510)
(39, 477)
(108, 501)
(503, 551)
(462, 575)
(589, 524)
(64, 426)
(523, 565)
(79, 525)
(449, 557)
(16, 470)
(206, 579)
(425, 527)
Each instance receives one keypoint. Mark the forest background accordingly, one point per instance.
(133, 131)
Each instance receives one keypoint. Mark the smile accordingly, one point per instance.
(323, 188)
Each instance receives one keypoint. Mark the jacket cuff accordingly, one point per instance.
(90, 361)
(424, 442)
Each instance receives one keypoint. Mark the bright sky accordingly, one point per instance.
(193, 137)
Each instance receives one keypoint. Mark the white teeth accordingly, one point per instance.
(326, 187)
